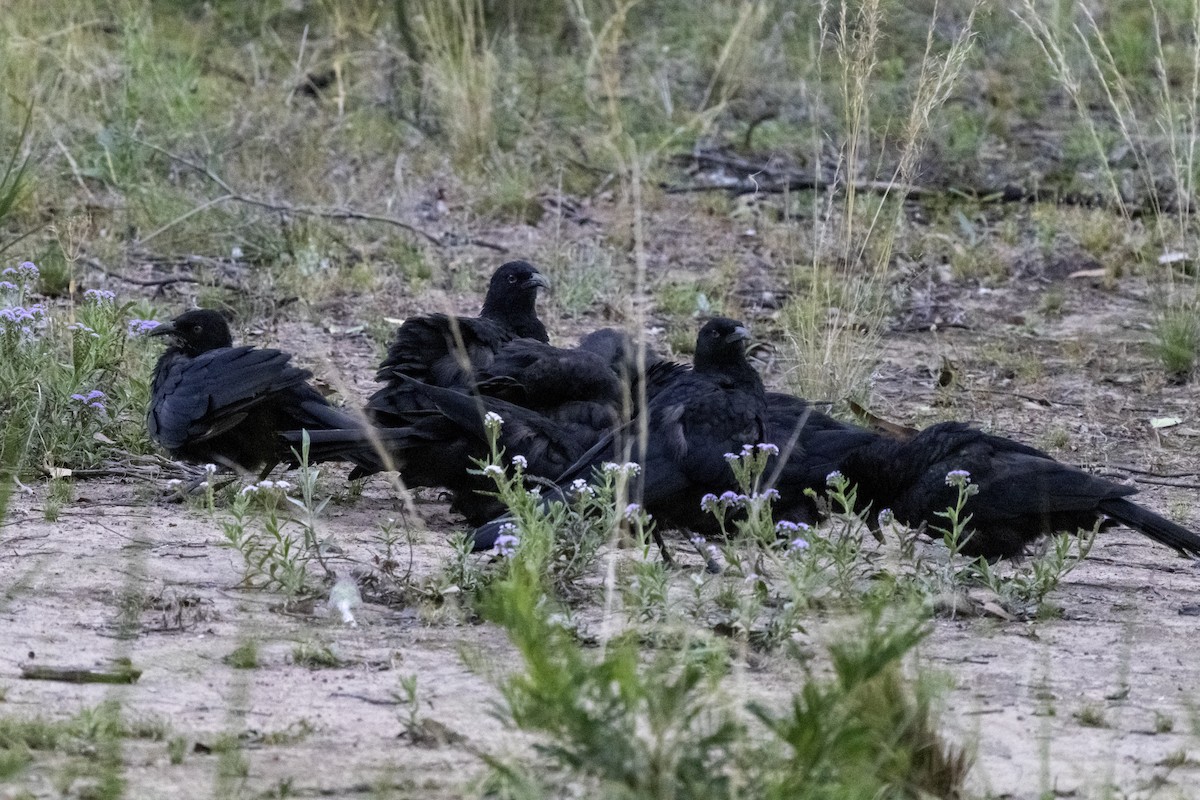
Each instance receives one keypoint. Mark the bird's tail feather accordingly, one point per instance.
(363, 446)
(1149, 524)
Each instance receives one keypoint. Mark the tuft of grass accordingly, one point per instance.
(1091, 715)
(627, 726)
(244, 656)
(1177, 340)
(840, 298)
(91, 742)
(177, 748)
(13, 183)
(461, 71)
(832, 327)
(315, 656)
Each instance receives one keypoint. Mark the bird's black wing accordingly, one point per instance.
(1023, 493)
(437, 350)
(548, 446)
(812, 445)
(442, 350)
(195, 399)
(540, 376)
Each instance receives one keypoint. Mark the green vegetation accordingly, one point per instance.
(244, 656)
(827, 171)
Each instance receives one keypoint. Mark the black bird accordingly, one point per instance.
(1023, 493)
(211, 402)
(692, 420)
(555, 404)
(811, 445)
(448, 351)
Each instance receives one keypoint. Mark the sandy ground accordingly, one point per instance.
(1123, 646)
(122, 574)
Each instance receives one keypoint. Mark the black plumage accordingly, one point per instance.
(1023, 493)
(211, 402)
(693, 418)
(812, 445)
(555, 404)
(441, 350)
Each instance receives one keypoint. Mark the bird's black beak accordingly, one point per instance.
(537, 280)
(165, 329)
(739, 334)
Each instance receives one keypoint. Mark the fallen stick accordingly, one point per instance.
(118, 673)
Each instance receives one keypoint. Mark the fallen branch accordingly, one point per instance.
(749, 177)
(231, 194)
(161, 282)
(1161, 482)
(119, 673)
(1136, 470)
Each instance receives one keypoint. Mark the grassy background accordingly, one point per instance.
(230, 144)
(345, 163)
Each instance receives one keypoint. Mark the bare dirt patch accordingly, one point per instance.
(1100, 698)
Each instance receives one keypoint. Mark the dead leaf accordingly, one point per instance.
(1164, 422)
(1088, 273)
(59, 472)
(100, 437)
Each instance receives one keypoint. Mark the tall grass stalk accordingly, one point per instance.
(1174, 109)
(835, 321)
(461, 69)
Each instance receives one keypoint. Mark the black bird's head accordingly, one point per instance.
(512, 295)
(721, 344)
(515, 280)
(198, 331)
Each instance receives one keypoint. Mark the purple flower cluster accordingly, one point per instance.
(711, 502)
(7, 286)
(506, 545)
(25, 272)
(99, 296)
(749, 450)
(958, 477)
(628, 469)
(791, 531)
(93, 400)
(140, 327)
(23, 319)
(20, 315)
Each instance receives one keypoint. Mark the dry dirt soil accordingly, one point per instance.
(1100, 701)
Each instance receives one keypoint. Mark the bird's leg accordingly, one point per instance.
(667, 558)
(874, 527)
(710, 563)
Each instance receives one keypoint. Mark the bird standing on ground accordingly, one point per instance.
(211, 402)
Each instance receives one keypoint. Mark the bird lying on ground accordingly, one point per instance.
(441, 350)
(693, 418)
(555, 404)
(213, 403)
(1022, 494)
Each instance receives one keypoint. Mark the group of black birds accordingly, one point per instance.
(566, 411)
